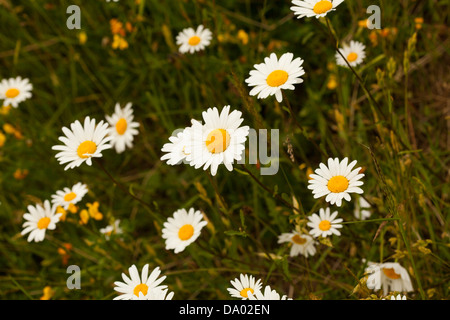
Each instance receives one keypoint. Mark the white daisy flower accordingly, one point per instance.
(353, 53)
(122, 128)
(219, 141)
(182, 229)
(69, 196)
(390, 275)
(314, 8)
(111, 229)
(39, 219)
(301, 243)
(244, 286)
(324, 224)
(268, 294)
(14, 91)
(82, 143)
(176, 148)
(133, 286)
(361, 211)
(155, 294)
(273, 75)
(336, 181)
(191, 40)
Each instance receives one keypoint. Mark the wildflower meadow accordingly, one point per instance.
(224, 150)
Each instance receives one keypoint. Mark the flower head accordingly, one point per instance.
(68, 196)
(132, 287)
(362, 207)
(14, 91)
(354, 53)
(39, 218)
(176, 148)
(300, 243)
(243, 286)
(336, 181)
(274, 75)
(268, 294)
(122, 128)
(390, 275)
(82, 143)
(182, 229)
(191, 40)
(314, 8)
(324, 224)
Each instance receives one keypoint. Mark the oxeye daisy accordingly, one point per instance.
(191, 40)
(361, 209)
(122, 128)
(82, 143)
(243, 286)
(273, 75)
(314, 8)
(268, 294)
(132, 287)
(176, 148)
(40, 218)
(219, 140)
(390, 275)
(300, 243)
(156, 294)
(324, 223)
(111, 229)
(336, 181)
(182, 229)
(354, 53)
(69, 196)
(14, 91)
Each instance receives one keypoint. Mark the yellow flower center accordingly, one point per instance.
(277, 78)
(70, 196)
(140, 288)
(185, 232)
(193, 41)
(298, 240)
(325, 225)
(218, 141)
(43, 223)
(12, 93)
(352, 57)
(322, 7)
(86, 147)
(244, 292)
(337, 184)
(390, 273)
(121, 126)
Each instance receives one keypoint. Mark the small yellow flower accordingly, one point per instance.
(48, 293)
(60, 209)
(72, 208)
(20, 174)
(4, 110)
(362, 23)
(82, 37)
(2, 139)
(93, 211)
(119, 43)
(332, 82)
(243, 36)
(9, 129)
(418, 21)
(84, 217)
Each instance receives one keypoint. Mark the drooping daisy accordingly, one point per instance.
(314, 8)
(219, 140)
(82, 143)
(122, 128)
(268, 294)
(133, 286)
(361, 207)
(191, 40)
(301, 243)
(69, 196)
(390, 275)
(354, 53)
(176, 148)
(336, 181)
(182, 229)
(324, 224)
(111, 229)
(40, 218)
(273, 75)
(243, 286)
(14, 91)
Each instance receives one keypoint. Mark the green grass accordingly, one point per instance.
(398, 134)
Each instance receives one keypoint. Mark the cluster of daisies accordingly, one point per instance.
(217, 139)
